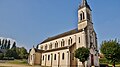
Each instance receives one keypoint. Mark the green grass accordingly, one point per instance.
(117, 65)
(104, 61)
(17, 61)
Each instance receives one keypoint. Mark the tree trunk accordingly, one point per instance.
(83, 64)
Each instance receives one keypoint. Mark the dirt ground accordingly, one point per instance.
(15, 65)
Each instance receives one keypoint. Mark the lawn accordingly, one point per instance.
(104, 61)
(17, 61)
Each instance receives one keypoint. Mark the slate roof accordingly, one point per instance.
(36, 50)
(61, 35)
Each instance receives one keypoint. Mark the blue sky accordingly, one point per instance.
(31, 21)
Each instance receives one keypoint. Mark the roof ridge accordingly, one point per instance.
(60, 35)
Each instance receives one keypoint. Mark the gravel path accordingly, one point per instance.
(15, 65)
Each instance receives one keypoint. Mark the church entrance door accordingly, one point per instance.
(92, 60)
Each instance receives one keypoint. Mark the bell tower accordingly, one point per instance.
(84, 15)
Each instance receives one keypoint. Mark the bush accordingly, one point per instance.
(103, 60)
(1, 56)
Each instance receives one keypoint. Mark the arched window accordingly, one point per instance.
(46, 47)
(56, 44)
(50, 46)
(63, 56)
(41, 47)
(82, 16)
(62, 43)
(70, 41)
(55, 57)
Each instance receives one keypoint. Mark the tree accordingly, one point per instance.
(111, 50)
(2, 45)
(3, 41)
(1, 56)
(82, 54)
(14, 45)
(9, 53)
(23, 53)
(8, 46)
(5, 44)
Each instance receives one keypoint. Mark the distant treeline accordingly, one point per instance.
(9, 50)
(6, 44)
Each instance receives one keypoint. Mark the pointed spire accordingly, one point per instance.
(84, 4)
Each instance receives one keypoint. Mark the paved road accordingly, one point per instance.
(16, 65)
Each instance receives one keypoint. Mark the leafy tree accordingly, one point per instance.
(20, 52)
(11, 53)
(2, 45)
(3, 41)
(82, 54)
(111, 50)
(1, 56)
(23, 53)
(5, 44)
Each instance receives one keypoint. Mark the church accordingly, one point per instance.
(58, 51)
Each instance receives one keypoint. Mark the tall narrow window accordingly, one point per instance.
(56, 44)
(69, 42)
(80, 17)
(48, 57)
(79, 39)
(50, 46)
(55, 57)
(46, 47)
(83, 15)
(63, 56)
(62, 43)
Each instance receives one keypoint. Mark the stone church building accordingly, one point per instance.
(58, 51)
